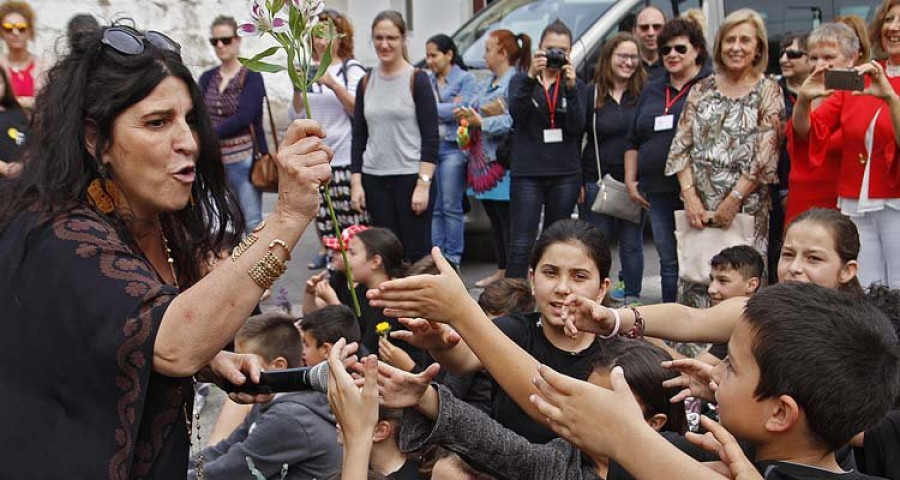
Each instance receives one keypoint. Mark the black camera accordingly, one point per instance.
(556, 58)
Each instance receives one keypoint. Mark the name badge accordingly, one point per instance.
(553, 135)
(664, 122)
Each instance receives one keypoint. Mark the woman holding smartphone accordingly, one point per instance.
(869, 182)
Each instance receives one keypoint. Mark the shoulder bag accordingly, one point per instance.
(264, 173)
(613, 198)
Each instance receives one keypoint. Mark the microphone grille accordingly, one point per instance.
(318, 377)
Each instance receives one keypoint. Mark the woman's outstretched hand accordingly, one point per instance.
(439, 298)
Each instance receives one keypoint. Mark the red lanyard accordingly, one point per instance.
(670, 103)
(551, 104)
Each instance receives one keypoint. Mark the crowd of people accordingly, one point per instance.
(136, 253)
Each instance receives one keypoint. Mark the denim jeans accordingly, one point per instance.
(248, 196)
(629, 236)
(447, 218)
(662, 222)
(556, 195)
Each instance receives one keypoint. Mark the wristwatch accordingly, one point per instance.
(737, 195)
(424, 178)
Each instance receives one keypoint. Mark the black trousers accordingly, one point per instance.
(389, 202)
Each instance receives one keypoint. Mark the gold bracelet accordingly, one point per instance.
(266, 271)
(247, 242)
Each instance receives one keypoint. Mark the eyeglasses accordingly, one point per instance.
(645, 27)
(18, 27)
(794, 54)
(667, 49)
(628, 57)
(129, 41)
(225, 40)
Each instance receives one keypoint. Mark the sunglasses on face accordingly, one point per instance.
(225, 40)
(129, 41)
(667, 49)
(18, 27)
(647, 26)
(794, 54)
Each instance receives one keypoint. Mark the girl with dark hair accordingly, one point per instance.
(618, 81)
(684, 56)
(505, 54)
(454, 88)
(376, 256)
(14, 122)
(331, 102)
(109, 301)
(234, 96)
(547, 107)
(571, 256)
(395, 141)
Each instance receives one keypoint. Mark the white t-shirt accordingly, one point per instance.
(328, 110)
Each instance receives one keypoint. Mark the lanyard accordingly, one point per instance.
(551, 104)
(670, 103)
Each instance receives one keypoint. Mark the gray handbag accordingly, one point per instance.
(613, 198)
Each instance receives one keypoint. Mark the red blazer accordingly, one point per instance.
(853, 114)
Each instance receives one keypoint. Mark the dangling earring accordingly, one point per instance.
(103, 194)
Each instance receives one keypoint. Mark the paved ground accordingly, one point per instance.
(472, 270)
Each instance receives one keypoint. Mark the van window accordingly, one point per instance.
(526, 16)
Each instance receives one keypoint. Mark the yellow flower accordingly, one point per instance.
(383, 328)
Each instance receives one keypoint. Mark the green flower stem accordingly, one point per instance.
(337, 227)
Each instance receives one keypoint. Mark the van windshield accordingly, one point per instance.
(526, 16)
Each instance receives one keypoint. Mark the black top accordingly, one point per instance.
(409, 471)
(784, 160)
(81, 309)
(794, 471)
(880, 454)
(719, 350)
(656, 70)
(524, 329)
(13, 128)
(613, 123)
(531, 116)
(653, 146)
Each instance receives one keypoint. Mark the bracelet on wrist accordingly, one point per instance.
(266, 271)
(637, 330)
(615, 330)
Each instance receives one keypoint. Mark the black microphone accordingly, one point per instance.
(289, 380)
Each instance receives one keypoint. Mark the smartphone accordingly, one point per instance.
(843, 80)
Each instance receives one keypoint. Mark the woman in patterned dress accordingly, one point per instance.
(725, 153)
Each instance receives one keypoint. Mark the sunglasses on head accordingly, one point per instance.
(225, 40)
(645, 27)
(667, 49)
(794, 54)
(9, 27)
(129, 41)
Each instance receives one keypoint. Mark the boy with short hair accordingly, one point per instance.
(505, 296)
(735, 272)
(320, 330)
(807, 368)
(295, 428)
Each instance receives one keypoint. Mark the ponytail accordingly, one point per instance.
(524, 42)
(517, 47)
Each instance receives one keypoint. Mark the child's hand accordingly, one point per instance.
(394, 356)
(426, 335)
(356, 409)
(314, 281)
(734, 464)
(327, 293)
(695, 379)
(400, 389)
(592, 418)
(440, 298)
(582, 314)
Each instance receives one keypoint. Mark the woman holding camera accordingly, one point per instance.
(869, 180)
(547, 108)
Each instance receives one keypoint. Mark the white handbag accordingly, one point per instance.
(697, 247)
(613, 198)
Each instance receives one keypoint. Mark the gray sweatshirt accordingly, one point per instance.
(296, 429)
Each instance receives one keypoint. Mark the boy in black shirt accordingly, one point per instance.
(807, 368)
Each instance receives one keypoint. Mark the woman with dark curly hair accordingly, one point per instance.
(109, 302)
